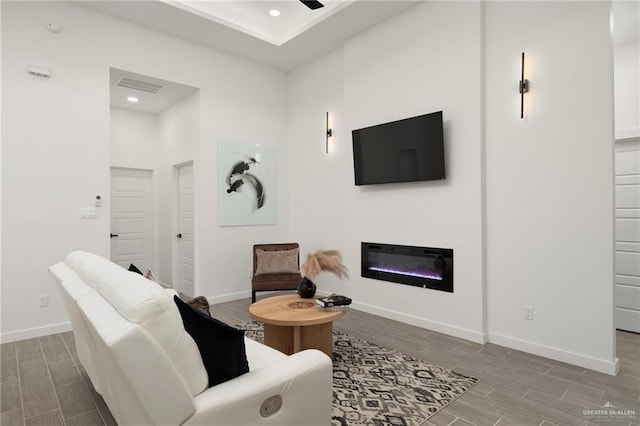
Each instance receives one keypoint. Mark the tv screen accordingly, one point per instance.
(400, 151)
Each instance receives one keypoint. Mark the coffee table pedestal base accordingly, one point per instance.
(292, 339)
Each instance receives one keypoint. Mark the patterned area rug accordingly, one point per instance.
(373, 385)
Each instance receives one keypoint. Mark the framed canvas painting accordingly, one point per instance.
(246, 184)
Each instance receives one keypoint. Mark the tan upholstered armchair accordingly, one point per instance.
(275, 267)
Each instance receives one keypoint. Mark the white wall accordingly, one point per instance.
(158, 142)
(54, 140)
(543, 217)
(179, 141)
(56, 152)
(134, 138)
(422, 61)
(135, 145)
(549, 180)
(1, 171)
(318, 179)
(627, 90)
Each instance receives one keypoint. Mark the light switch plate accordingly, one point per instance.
(88, 213)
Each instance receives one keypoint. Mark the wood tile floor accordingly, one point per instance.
(42, 382)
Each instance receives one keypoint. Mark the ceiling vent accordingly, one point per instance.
(137, 84)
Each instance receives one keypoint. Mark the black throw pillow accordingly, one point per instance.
(133, 268)
(221, 346)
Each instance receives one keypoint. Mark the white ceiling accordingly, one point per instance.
(244, 28)
(169, 94)
(253, 17)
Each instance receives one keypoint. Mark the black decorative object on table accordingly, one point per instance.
(318, 261)
(333, 300)
(306, 288)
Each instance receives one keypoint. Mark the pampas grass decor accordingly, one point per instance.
(324, 260)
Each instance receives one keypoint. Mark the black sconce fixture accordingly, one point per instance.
(524, 87)
(328, 135)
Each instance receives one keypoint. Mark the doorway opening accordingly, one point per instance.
(184, 222)
(626, 45)
(154, 140)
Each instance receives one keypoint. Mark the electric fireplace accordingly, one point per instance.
(424, 267)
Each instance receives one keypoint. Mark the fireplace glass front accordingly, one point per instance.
(424, 267)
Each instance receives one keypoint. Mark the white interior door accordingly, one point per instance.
(627, 291)
(131, 218)
(184, 263)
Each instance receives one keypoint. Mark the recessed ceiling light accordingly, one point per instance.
(132, 99)
(274, 12)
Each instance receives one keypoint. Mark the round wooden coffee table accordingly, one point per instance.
(292, 324)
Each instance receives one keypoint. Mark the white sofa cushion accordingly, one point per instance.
(142, 385)
(303, 380)
(72, 288)
(145, 388)
(89, 266)
(147, 304)
(259, 355)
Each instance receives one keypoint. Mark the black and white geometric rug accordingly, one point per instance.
(373, 385)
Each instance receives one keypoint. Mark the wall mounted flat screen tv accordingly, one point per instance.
(400, 151)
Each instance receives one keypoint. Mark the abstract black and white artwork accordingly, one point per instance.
(246, 184)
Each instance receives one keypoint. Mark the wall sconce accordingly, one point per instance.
(523, 87)
(327, 135)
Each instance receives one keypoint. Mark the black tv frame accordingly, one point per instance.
(417, 143)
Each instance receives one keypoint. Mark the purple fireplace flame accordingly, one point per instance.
(432, 275)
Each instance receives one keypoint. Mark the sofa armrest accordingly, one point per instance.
(143, 385)
(304, 381)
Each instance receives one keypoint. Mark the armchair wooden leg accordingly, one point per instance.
(253, 296)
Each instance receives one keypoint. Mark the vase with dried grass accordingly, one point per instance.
(316, 262)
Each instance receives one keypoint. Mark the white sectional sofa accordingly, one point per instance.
(131, 341)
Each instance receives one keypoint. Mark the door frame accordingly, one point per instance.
(630, 144)
(175, 225)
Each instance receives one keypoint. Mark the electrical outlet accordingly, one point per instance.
(44, 301)
(249, 272)
(528, 312)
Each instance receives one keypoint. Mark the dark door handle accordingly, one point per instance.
(179, 235)
(113, 235)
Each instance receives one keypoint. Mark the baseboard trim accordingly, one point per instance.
(30, 333)
(462, 333)
(585, 361)
(230, 297)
